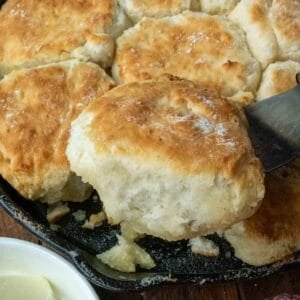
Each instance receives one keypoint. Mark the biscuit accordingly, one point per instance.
(253, 17)
(208, 50)
(167, 158)
(137, 9)
(36, 109)
(37, 32)
(285, 18)
(220, 7)
(273, 233)
(278, 78)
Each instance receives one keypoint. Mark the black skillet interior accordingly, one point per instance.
(174, 261)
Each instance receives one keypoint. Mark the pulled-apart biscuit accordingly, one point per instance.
(35, 32)
(36, 109)
(208, 50)
(137, 9)
(274, 231)
(278, 78)
(168, 158)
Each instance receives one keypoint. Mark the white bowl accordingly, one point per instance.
(21, 257)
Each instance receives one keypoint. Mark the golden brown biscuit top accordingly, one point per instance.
(258, 14)
(209, 50)
(282, 81)
(173, 122)
(278, 78)
(279, 216)
(37, 30)
(36, 110)
(285, 17)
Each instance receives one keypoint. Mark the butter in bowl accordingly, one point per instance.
(30, 271)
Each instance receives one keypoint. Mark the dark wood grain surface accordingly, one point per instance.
(282, 282)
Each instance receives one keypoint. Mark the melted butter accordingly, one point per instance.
(20, 287)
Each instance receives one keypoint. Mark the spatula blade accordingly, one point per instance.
(275, 128)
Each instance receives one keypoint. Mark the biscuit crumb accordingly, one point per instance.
(79, 215)
(54, 227)
(57, 211)
(203, 246)
(95, 220)
(125, 256)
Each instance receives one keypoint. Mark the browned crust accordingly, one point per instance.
(37, 32)
(36, 110)
(279, 216)
(177, 120)
(207, 50)
(286, 18)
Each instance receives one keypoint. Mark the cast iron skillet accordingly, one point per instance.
(174, 261)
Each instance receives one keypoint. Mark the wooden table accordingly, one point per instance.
(283, 282)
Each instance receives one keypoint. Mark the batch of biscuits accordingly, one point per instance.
(142, 100)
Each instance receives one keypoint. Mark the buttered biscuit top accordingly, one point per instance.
(167, 157)
(35, 32)
(208, 50)
(36, 109)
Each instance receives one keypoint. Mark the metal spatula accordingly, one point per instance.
(275, 128)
